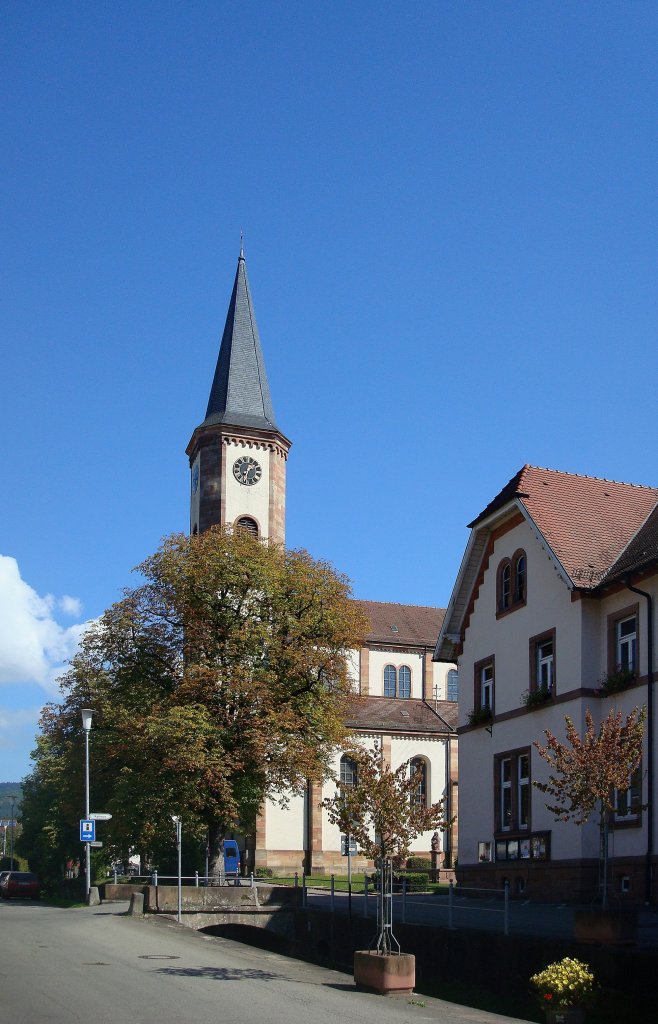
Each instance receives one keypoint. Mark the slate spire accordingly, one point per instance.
(240, 394)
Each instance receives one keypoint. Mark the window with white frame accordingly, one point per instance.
(628, 802)
(523, 789)
(544, 653)
(453, 684)
(506, 793)
(486, 686)
(513, 791)
(626, 643)
(542, 662)
(390, 681)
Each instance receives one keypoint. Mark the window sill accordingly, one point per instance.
(501, 613)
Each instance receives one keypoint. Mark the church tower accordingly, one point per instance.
(238, 454)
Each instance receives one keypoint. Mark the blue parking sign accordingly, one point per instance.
(87, 831)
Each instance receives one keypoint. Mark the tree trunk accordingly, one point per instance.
(603, 858)
(216, 833)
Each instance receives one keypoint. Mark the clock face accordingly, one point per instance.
(195, 479)
(246, 470)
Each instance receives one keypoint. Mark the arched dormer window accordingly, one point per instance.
(418, 772)
(511, 583)
(519, 577)
(390, 681)
(504, 585)
(404, 681)
(348, 770)
(247, 524)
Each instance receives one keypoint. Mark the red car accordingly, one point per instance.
(20, 883)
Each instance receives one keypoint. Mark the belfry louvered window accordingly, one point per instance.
(248, 524)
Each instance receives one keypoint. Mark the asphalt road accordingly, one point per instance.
(97, 965)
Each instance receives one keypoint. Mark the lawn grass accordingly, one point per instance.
(340, 882)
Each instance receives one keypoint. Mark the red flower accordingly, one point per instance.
(548, 995)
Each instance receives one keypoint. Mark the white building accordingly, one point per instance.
(407, 703)
(554, 604)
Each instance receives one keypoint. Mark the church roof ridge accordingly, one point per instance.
(400, 604)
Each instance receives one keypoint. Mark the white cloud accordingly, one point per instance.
(33, 646)
(71, 606)
(12, 721)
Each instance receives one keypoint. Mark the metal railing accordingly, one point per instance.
(155, 878)
(451, 910)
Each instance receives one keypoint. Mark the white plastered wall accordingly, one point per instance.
(248, 500)
(379, 659)
(548, 606)
(403, 748)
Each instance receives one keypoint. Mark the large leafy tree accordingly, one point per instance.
(587, 770)
(221, 680)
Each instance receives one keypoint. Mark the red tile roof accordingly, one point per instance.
(390, 714)
(414, 624)
(587, 521)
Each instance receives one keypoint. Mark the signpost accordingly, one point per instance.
(99, 816)
(87, 830)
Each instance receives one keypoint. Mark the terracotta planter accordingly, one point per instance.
(388, 974)
(567, 1015)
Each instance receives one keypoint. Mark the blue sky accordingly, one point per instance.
(450, 219)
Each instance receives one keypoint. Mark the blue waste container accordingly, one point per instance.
(231, 859)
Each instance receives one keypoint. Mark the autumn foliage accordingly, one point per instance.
(380, 811)
(220, 680)
(586, 770)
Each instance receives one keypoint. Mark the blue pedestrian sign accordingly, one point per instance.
(87, 831)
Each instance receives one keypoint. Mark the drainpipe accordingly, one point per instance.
(649, 855)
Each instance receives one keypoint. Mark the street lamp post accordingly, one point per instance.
(13, 829)
(178, 822)
(87, 714)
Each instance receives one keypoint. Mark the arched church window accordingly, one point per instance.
(453, 684)
(404, 681)
(248, 524)
(418, 772)
(348, 769)
(390, 681)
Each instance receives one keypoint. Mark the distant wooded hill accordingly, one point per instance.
(8, 789)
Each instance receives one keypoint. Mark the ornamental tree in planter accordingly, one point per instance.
(384, 813)
(586, 773)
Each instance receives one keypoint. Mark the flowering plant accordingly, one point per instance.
(565, 983)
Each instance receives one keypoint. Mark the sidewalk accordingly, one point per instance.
(352, 1004)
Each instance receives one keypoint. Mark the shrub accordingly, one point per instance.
(532, 698)
(566, 982)
(616, 682)
(263, 873)
(479, 716)
(419, 864)
(417, 881)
